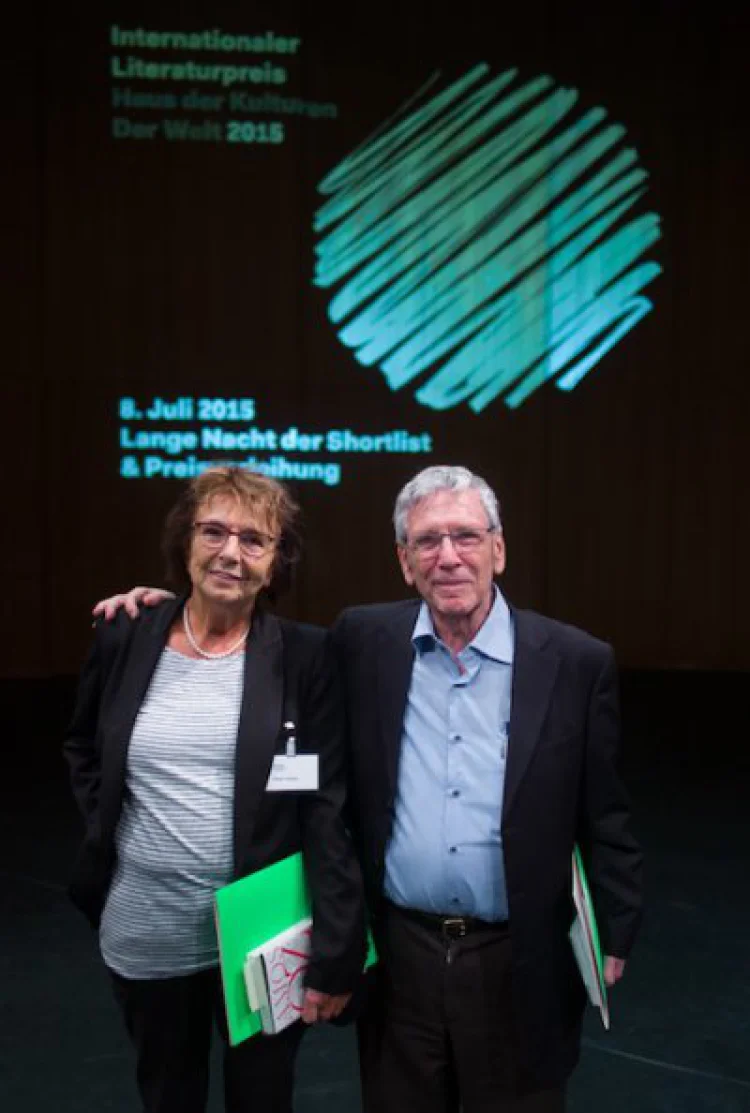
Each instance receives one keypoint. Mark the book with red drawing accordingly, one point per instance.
(275, 976)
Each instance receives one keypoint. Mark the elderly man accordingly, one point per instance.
(483, 747)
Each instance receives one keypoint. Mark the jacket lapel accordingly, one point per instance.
(259, 726)
(535, 667)
(395, 656)
(147, 642)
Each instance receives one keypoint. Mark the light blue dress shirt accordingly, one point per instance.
(445, 853)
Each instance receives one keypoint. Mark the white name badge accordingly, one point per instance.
(294, 774)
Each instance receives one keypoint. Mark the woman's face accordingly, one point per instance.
(230, 568)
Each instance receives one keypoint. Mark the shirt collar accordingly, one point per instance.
(494, 638)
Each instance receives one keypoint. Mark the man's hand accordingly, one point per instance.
(148, 596)
(614, 968)
(323, 1006)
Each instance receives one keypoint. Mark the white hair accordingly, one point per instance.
(442, 478)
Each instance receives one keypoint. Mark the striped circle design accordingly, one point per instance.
(489, 237)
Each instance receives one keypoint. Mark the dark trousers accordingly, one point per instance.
(170, 1022)
(439, 1035)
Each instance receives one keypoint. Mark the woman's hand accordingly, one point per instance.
(323, 1006)
(131, 601)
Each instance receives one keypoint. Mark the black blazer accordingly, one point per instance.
(288, 666)
(561, 787)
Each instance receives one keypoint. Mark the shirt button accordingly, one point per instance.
(456, 737)
(453, 849)
(455, 792)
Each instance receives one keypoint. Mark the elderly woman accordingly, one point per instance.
(178, 717)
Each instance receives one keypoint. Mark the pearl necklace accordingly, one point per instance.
(203, 652)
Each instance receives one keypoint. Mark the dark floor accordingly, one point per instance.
(680, 1039)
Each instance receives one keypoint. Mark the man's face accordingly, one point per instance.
(455, 580)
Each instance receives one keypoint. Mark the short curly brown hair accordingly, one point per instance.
(253, 491)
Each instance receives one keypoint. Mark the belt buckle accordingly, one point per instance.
(453, 927)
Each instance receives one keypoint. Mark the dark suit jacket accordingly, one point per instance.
(289, 673)
(561, 787)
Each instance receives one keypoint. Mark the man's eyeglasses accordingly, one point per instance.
(252, 542)
(462, 540)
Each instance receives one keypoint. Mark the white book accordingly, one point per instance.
(275, 976)
(584, 938)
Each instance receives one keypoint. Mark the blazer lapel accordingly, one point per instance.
(149, 636)
(535, 667)
(395, 656)
(259, 726)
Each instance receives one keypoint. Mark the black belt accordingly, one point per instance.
(450, 927)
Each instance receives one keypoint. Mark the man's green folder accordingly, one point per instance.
(584, 936)
(249, 912)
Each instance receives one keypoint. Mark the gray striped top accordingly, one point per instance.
(174, 836)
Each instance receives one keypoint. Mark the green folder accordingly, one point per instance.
(248, 913)
(584, 935)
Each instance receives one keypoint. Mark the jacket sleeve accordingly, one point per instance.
(79, 747)
(613, 856)
(91, 871)
(338, 949)
(338, 639)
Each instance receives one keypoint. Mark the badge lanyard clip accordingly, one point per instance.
(291, 739)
